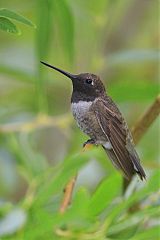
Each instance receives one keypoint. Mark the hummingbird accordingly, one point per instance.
(98, 117)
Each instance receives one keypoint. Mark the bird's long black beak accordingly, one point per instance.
(69, 75)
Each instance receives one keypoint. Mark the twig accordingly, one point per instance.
(141, 127)
(67, 194)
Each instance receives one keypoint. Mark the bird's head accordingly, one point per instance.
(86, 84)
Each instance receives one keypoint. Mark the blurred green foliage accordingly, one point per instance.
(39, 142)
(7, 25)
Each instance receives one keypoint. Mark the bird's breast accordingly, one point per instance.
(82, 115)
(86, 119)
(80, 110)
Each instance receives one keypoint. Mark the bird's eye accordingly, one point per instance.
(89, 81)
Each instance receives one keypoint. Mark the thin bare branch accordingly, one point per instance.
(142, 125)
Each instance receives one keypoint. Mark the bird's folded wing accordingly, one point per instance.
(115, 130)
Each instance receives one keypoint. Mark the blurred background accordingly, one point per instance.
(118, 40)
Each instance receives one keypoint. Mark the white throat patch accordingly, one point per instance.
(80, 107)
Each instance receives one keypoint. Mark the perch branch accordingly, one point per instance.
(142, 125)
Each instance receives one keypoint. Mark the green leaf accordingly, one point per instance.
(148, 234)
(44, 29)
(80, 203)
(15, 16)
(43, 44)
(77, 215)
(65, 22)
(66, 171)
(51, 184)
(105, 193)
(7, 26)
(42, 222)
(133, 220)
(151, 186)
(124, 234)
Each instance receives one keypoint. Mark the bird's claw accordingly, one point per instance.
(88, 143)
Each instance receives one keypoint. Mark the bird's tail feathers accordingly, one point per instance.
(128, 167)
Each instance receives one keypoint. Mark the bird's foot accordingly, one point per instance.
(88, 144)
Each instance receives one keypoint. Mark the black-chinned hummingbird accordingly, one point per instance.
(98, 116)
